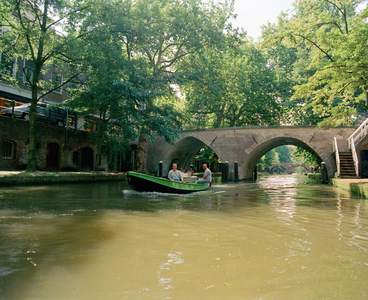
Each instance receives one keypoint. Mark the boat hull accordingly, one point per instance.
(147, 183)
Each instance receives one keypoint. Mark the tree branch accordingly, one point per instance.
(343, 13)
(59, 86)
(313, 43)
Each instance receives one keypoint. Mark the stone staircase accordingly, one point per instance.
(347, 168)
(347, 161)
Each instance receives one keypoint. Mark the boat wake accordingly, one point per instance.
(156, 194)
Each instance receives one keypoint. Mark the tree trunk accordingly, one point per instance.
(221, 115)
(101, 131)
(31, 162)
(140, 163)
(99, 149)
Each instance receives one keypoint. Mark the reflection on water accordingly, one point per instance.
(282, 237)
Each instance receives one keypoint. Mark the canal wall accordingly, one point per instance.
(315, 176)
(357, 186)
(41, 178)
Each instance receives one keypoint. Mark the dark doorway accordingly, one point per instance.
(125, 162)
(87, 159)
(52, 159)
(364, 163)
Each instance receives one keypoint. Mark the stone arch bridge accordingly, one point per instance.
(289, 167)
(246, 145)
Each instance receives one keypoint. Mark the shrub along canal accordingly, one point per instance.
(280, 238)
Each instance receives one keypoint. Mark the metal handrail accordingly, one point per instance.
(337, 155)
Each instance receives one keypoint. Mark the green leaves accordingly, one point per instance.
(333, 37)
(231, 86)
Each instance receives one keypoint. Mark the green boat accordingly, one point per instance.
(147, 183)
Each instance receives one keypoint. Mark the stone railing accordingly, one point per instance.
(358, 134)
(337, 156)
(263, 120)
(354, 139)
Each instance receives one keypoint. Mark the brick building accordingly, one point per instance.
(58, 148)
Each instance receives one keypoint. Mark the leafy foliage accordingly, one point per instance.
(333, 35)
(284, 154)
(207, 156)
(302, 156)
(231, 88)
(32, 35)
(268, 159)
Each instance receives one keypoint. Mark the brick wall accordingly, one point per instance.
(58, 148)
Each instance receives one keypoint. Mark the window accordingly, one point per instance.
(8, 150)
(89, 126)
(71, 122)
(56, 82)
(28, 71)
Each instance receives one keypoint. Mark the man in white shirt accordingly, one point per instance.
(175, 175)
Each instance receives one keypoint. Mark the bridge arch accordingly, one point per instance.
(261, 149)
(182, 152)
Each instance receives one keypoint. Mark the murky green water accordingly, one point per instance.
(275, 239)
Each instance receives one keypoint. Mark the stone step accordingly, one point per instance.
(347, 168)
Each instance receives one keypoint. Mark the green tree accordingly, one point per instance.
(120, 84)
(280, 59)
(232, 87)
(271, 157)
(288, 64)
(32, 34)
(105, 96)
(157, 34)
(335, 36)
(302, 156)
(285, 154)
(207, 156)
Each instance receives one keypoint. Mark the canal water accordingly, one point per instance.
(280, 238)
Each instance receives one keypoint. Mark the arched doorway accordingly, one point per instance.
(52, 158)
(87, 159)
